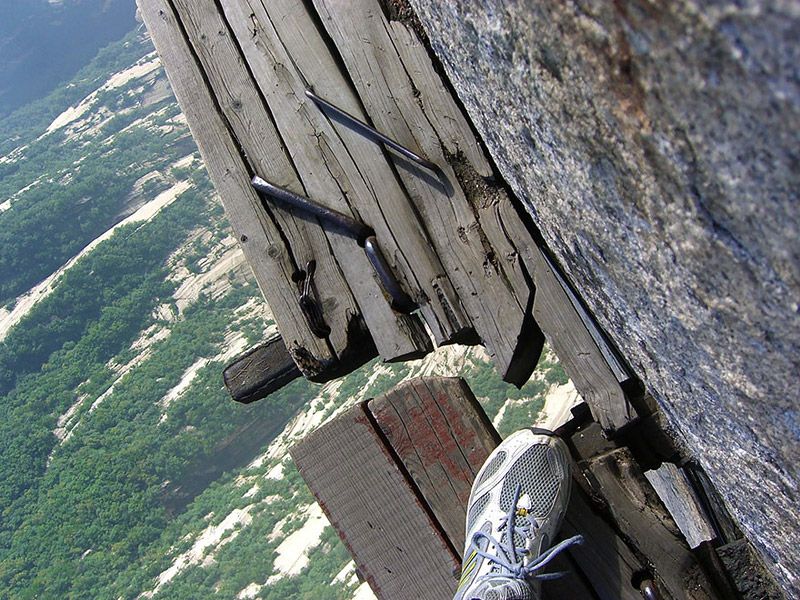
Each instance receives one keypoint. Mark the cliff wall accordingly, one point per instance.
(655, 146)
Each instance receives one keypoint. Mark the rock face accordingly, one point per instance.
(656, 146)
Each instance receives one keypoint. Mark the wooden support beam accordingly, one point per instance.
(387, 527)
(260, 371)
(406, 100)
(440, 433)
(566, 331)
(642, 518)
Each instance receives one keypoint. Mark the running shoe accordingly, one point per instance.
(515, 510)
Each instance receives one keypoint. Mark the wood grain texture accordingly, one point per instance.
(287, 54)
(396, 545)
(260, 371)
(398, 99)
(342, 282)
(676, 493)
(567, 334)
(271, 259)
(642, 518)
(439, 431)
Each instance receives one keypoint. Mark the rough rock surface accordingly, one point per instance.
(656, 146)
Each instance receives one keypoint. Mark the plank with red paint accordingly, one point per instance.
(442, 436)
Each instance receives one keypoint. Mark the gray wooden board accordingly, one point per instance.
(572, 342)
(442, 436)
(341, 285)
(641, 517)
(398, 98)
(287, 54)
(676, 493)
(270, 258)
(496, 208)
(396, 545)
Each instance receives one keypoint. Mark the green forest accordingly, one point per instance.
(113, 416)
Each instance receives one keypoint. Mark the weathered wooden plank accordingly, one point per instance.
(621, 371)
(395, 104)
(589, 442)
(566, 332)
(676, 493)
(390, 533)
(490, 196)
(438, 104)
(287, 54)
(439, 431)
(642, 518)
(260, 371)
(397, 336)
(272, 261)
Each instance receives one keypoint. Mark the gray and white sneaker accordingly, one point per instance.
(515, 510)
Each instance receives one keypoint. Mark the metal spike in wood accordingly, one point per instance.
(370, 131)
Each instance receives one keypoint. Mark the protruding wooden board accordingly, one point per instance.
(260, 371)
(271, 259)
(642, 518)
(286, 53)
(442, 436)
(385, 525)
(343, 278)
(676, 493)
(398, 98)
(567, 334)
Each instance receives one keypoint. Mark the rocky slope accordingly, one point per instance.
(39, 48)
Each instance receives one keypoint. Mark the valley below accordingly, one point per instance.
(127, 471)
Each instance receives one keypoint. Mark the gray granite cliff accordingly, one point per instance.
(655, 145)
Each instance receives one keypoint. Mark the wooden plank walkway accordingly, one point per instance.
(394, 539)
(394, 473)
(452, 237)
(427, 438)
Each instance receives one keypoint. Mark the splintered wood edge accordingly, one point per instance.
(260, 371)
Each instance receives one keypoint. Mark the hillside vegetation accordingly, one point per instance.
(125, 469)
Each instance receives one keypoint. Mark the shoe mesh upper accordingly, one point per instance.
(492, 467)
(535, 474)
(506, 590)
(477, 510)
